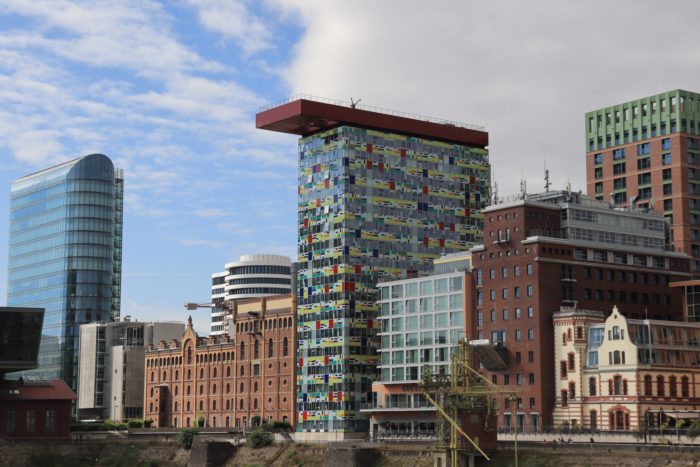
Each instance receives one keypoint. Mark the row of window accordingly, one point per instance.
(505, 294)
(505, 314)
(618, 386)
(229, 405)
(218, 356)
(30, 421)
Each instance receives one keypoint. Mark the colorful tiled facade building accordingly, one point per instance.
(380, 197)
(229, 381)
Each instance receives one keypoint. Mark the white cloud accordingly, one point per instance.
(210, 213)
(528, 71)
(233, 20)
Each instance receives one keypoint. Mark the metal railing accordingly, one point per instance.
(370, 108)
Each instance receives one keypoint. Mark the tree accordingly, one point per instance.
(693, 431)
(259, 438)
(186, 436)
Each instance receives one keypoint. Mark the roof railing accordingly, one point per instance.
(370, 108)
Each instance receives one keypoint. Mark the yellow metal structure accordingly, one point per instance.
(463, 389)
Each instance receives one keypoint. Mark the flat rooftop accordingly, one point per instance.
(306, 115)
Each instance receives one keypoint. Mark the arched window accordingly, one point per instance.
(255, 386)
(228, 371)
(242, 370)
(189, 374)
(227, 404)
(647, 385)
(241, 353)
(153, 376)
(213, 389)
(175, 406)
(201, 405)
(285, 347)
(201, 373)
(617, 385)
(256, 349)
(176, 390)
(151, 392)
(165, 377)
(241, 405)
(242, 387)
(685, 388)
(188, 407)
(213, 405)
(255, 404)
(594, 420)
(188, 389)
(672, 389)
(660, 389)
(592, 386)
(270, 348)
(572, 390)
(177, 375)
(150, 407)
(201, 389)
(189, 355)
(228, 388)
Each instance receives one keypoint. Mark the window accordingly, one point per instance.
(528, 269)
(10, 421)
(598, 158)
(530, 334)
(666, 159)
(619, 168)
(285, 347)
(50, 421)
(592, 386)
(660, 389)
(571, 361)
(564, 399)
(529, 290)
(31, 421)
(647, 385)
(530, 312)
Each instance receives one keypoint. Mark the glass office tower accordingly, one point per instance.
(65, 254)
(380, 196)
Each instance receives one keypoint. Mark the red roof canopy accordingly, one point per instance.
(304, 117)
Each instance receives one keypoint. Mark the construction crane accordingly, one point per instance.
(463, 391)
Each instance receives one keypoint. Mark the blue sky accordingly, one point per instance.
(169, 91)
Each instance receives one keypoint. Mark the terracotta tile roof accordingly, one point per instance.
(55, 389)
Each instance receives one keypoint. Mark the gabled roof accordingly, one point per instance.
(20, 390)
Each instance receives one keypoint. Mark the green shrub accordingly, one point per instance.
(135, 423)
(147, 423)
(281, 425)
(259, 438)
(186, 436)
(255, 421)
(200, 422)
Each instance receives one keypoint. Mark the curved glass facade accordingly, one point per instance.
(65, 254)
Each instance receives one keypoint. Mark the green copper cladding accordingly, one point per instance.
(373, 206)
(662, 114)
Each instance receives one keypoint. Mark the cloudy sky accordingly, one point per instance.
(169, 91)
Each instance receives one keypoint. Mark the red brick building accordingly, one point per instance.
(227, 381)
(31, 409)
(542, 252)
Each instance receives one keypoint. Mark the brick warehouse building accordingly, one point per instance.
(649, 149)
(381, 194)
(227, 380)
(557, 249)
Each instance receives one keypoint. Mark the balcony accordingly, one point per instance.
(396, 406)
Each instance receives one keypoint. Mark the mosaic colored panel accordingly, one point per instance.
(373, 206)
